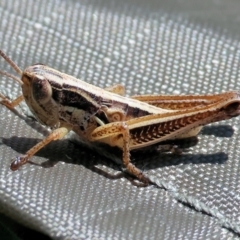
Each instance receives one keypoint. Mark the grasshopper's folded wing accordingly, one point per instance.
(177, 102)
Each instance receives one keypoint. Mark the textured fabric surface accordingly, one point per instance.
(149, 47)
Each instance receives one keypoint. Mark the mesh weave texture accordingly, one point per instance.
(150, 48)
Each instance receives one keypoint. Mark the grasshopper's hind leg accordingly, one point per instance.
(120, 130)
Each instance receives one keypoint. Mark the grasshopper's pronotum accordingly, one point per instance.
(65, 103)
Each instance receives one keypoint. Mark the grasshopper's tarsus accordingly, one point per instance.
(18, 162)
(174, 149)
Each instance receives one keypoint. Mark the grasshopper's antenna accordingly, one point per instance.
(13, 65)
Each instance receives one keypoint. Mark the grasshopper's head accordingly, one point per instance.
(37, 91)
(231, 106)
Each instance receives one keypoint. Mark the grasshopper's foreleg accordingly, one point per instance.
(5, 101)
(10, 104)
(57, 134)
(120, 130)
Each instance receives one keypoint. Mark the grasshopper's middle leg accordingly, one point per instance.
(56, 134)
(120, 129)
(118, 89)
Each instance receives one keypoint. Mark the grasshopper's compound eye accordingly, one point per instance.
(41, 89)
(233, 109)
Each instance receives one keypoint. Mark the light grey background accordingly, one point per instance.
(167, 47)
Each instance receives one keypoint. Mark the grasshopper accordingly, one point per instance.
(65, 104)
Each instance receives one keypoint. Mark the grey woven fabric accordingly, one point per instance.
(150, 47)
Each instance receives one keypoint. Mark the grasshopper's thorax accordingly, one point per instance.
(37, 92)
